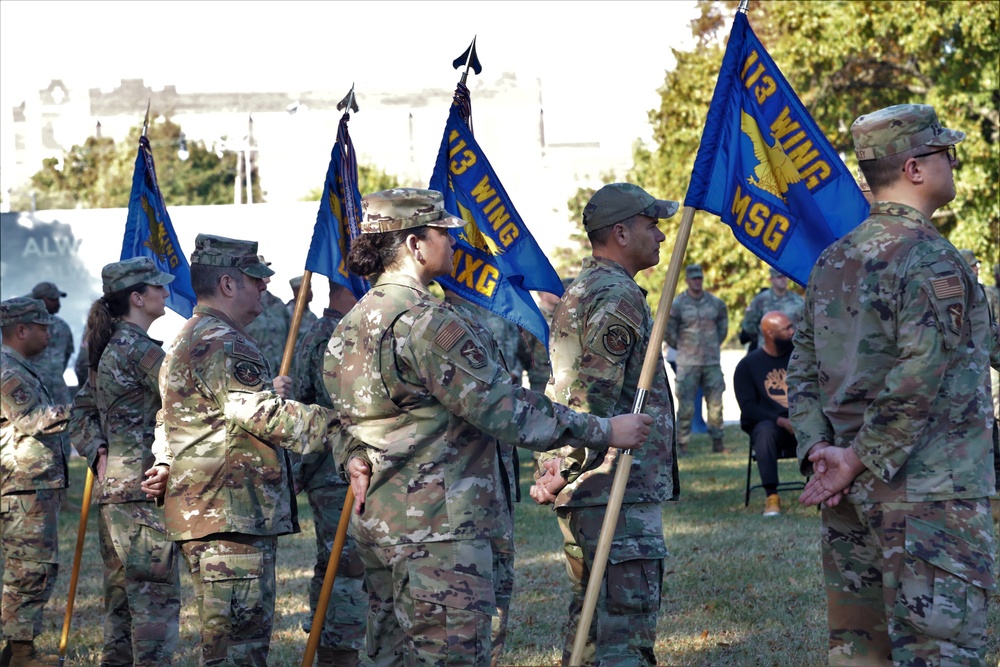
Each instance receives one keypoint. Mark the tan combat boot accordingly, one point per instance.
(23, 654)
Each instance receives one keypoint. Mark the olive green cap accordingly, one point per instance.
(46, 291)
(24, 310)
(130, 272)
(212, 250)
(693, 271)
(617, 202)
(405, 208)
(969, 256)
(899, 128)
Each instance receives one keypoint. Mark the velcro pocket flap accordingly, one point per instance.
(227, 567)
(458, 590)
(637, 547)
(949, 552)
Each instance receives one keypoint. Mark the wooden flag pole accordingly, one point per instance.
(81, 533)
(651, 365)
(293, 330)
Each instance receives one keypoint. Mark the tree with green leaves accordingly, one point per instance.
(98, 173)
(843, 59)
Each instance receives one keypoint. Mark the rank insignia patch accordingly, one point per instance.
(617, 340)
(247, 373)
(473, 354)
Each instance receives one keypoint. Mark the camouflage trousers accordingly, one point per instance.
(907, 583)
(29, 522)
(233, 577)
(344, 623)
(430, 603)
(142, 588)
(689, 379)
(624, 627)
(503, 591)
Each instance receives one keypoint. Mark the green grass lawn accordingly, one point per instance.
(740, 589)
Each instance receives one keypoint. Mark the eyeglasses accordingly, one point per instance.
(952, 153)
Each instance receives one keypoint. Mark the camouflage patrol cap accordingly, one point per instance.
(404, 208)
(617, 202)
(24, 310)
(969, 257)
(131, 272)
(295, 282)
(693, 271)
(212, 250)
(898, 128)
(46, 291)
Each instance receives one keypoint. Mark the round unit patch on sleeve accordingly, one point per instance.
(617, 340)
(247, 372)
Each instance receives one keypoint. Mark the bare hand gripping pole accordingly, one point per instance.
(650, 366)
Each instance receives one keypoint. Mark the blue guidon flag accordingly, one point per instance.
(496, 258)
(765, 167)
(149, 232)
(338, 216)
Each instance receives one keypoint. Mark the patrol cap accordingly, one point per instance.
(898, 128)
(24, 310)
(617, 202)
(263, 261)
(46, 291)
(295, 282)
(693, 271)
(775, 273)
(130, 272)
(969, 257)
(404, 208)
(212, 250)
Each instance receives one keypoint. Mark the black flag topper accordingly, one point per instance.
(468, 60)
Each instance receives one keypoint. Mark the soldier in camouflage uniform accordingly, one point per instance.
(269, 330)
(344, 624)
(50, 363)
(112, 426)
(697, 327)
(220, 457)
(889, 400)
(600, 332)
(779, 298)
(993, 300)
(503, 554)
(34, 451)
(541, 366)
(411, 381)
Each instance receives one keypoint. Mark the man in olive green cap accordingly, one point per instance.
(228, 487)
(51, 362)
(34, 451)
(887, 391)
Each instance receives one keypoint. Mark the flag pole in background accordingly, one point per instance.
(337, 224)
(497, 260)
(786, 199)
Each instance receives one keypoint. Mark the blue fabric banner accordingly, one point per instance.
(765, 167)
(337, 221)
(496, 258)
(149, 232)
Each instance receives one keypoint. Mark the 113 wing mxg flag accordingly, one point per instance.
(496, 258)
(338, 216)
(766, 169)
(149, 232)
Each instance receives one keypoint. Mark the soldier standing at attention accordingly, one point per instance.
(112, 426)
(411, 382)
(779, 298)
(889, 399)
(50, 363)
(34, 450)
(696, 328)
(600, 332)
(343, 631)
(269, 330)
(220, 458)
(308, 317)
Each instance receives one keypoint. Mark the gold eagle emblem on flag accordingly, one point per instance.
(775, 170)
(157, 241)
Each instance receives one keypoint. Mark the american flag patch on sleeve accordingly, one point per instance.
(450, 335)
(947, 287)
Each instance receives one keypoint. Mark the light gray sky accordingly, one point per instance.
(608, 54)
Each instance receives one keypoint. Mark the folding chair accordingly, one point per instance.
(782, 486)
